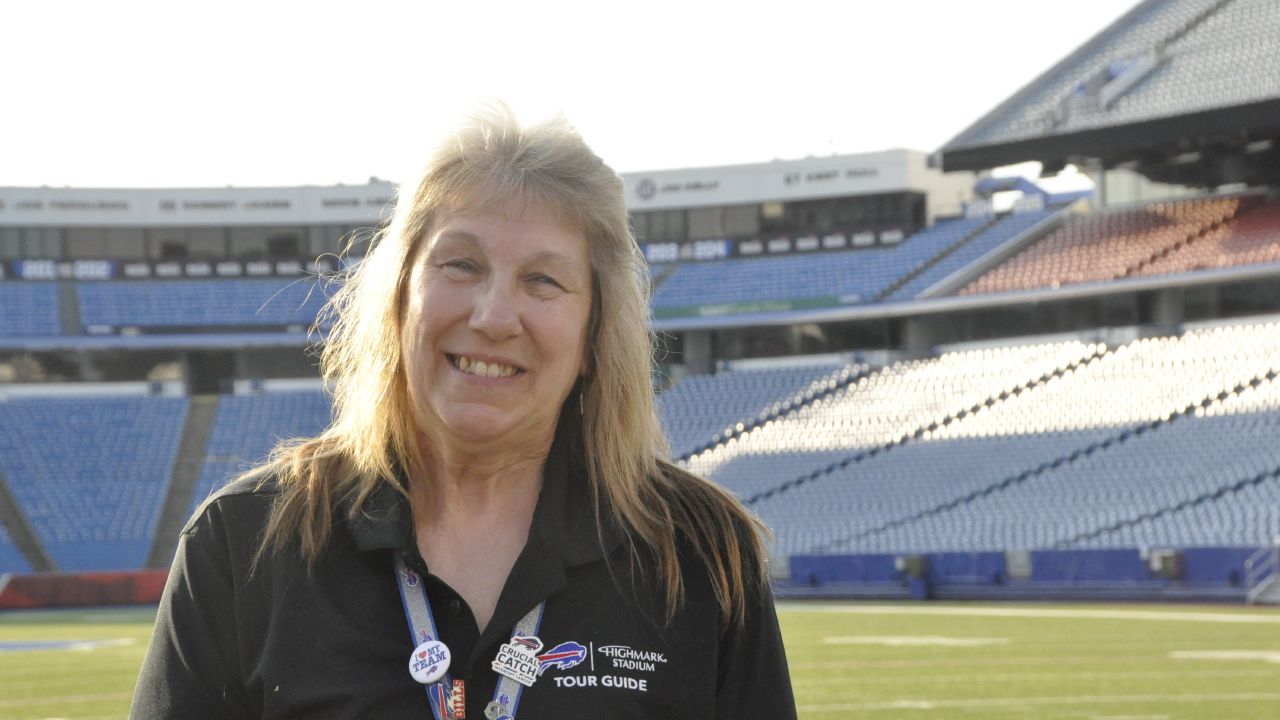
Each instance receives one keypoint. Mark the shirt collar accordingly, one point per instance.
(563, 520)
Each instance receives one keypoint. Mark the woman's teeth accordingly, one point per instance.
(483, 369)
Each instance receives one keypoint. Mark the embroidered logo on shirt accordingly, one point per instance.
(563, 656)
(613, 657)
(625, 657)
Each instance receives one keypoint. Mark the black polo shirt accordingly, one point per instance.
(334, 643)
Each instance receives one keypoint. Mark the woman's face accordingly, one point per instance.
(495, 324)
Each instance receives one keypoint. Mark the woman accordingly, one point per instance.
(486, 529)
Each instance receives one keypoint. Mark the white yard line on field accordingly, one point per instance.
(23, 702)
(1057, 676)
(1018, 661)
(1270, 656)
(1034, 701)
(1025, 612)
(913, 641)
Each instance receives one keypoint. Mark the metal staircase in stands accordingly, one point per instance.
(1262, 575)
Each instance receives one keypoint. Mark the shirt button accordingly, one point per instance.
(455, 606)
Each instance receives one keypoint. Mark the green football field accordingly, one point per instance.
(848, 660)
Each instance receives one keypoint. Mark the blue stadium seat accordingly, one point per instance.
(28, 309)
(701, 407)
(200, 303)
(248, 426)
(993, 237)
(828, 278)
(90, 473)
(1054, 465)
(11, 559)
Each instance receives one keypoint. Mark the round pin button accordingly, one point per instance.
(429, 662)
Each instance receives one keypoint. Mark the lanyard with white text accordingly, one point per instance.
(431, 653)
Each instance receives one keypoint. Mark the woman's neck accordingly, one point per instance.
(463, 474)
(456, 491)
(471, 521)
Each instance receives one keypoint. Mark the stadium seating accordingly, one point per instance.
(1184, 83)
(827, 278)
(90, 473)
(1157, 442)
(30, 309)
(11, 559)
(872, 469)
(700, 407)
(995, 236)
(1161, 469)
(1237, 519)
(1202, 72)
(1252, 238)
(896, 273)
(248, 426)
(199, 303)
(1160, 238)
(1106, 246)
(880, 409)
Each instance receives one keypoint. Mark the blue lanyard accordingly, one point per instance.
(422, 627)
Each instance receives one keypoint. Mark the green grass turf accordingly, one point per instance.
(84, 683)
(870, 665)
(847, 660)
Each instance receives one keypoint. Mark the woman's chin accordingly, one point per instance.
(480, 426)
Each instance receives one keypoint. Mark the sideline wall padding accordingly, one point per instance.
(50, 590)
(1209, 573)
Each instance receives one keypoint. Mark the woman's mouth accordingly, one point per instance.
(481, 368)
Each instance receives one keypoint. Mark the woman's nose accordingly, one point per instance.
(495, 312)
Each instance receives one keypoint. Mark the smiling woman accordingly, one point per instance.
(492, 502)
(496, 326)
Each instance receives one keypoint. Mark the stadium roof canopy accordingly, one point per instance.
(1183, 90)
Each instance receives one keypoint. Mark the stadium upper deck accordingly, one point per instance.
(1180, 91)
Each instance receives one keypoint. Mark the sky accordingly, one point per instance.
(208, 94)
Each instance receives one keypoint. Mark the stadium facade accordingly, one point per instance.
(923, 395)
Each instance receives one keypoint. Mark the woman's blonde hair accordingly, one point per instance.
(490, 159)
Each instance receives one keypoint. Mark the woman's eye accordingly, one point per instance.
(540, 279)
(460, 265)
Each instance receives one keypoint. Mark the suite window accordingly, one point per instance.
(9, 249)
(86, 243)
(740, 220)
(283, 245)
(640, 226)
(256, 243)
(207, 243)
(125, 244)
(667, 225)
(323, 239)
(705, 223)
(19, 243)
(773, 217)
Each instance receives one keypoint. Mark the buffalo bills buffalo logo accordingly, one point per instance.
(563, 656)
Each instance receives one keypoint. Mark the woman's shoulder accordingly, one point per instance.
(712, 521)
(700, 496)
(245, 500)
